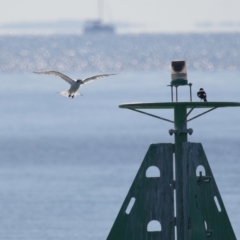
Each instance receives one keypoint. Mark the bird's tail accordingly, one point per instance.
(77, 94)
(68, 94)
(64, 93)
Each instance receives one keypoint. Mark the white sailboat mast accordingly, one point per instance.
(100, 10)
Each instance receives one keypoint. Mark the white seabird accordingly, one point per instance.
(75, 84)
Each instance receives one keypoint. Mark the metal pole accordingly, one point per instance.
(190, 85)
(180, 137)
(176, 93)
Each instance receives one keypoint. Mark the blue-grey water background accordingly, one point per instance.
(66, 165)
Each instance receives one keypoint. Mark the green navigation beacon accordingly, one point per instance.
(174, 194)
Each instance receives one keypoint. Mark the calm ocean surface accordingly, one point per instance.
(67, 164)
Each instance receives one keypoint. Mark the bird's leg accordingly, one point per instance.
(69, 95)
(72, 96)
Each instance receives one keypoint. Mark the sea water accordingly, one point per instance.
(66, 164)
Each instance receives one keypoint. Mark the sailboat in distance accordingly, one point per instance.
(98, 26)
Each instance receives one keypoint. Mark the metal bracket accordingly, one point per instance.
(176, 86)
(179, 131)
(203, 179)
(201, 114)
(164, 119)
(209, 233)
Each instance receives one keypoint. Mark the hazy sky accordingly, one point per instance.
(142, 15)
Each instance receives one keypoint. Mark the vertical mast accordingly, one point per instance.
(100, 10)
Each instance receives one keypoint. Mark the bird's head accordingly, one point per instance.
(80, 81)
(201, 89)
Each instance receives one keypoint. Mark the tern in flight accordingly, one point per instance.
(75, 84)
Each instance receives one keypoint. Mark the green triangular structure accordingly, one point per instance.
(153, 200)
(204, 214)
(204, 204)
(183, 205)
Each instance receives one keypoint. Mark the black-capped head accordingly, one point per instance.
(79, 81)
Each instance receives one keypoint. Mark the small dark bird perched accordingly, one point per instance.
(202, 95)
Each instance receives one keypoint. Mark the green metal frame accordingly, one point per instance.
(171, 105)
(196, 214)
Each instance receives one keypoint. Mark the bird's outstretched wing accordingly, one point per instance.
(55, 73)
(87, 80)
